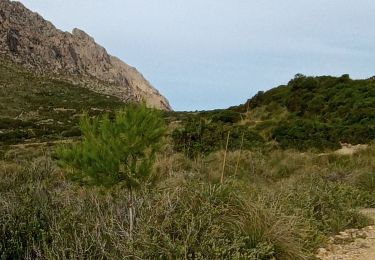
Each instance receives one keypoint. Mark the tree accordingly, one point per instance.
(116, 152)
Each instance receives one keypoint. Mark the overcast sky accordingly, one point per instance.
(204, 54)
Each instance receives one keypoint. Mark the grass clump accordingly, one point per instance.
(263, 212)
(47, 217)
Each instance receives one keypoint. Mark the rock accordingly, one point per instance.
(321, 253)
(13, 38)
(28, 39)
(361, 234)
(349, 245)
(363, 244)
(342, 238)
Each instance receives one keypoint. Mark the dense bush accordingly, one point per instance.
(199, 136)
(305, 134)
(342, 109)
(115, 151)
(226, 116)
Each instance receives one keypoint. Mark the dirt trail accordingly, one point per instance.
(348, 149)
(351, 244)
(370, 254)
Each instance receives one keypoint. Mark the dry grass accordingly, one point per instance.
(279, 206)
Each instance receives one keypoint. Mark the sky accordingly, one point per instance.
(207, 54)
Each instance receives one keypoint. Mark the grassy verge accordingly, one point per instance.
(279, 205)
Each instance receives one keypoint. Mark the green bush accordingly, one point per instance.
(305, 134)
(324, 110)
(201, 137)
(366, 181)
(118, 151)
(226, 116)
(115, 152)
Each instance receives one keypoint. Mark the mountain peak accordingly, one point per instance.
(81, 34)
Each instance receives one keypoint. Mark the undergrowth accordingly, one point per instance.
(280, 205)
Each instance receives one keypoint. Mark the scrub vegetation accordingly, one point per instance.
(257, 181)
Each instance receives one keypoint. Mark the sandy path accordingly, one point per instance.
(352, 244)
(370, 254)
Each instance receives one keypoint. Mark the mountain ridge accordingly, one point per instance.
(28, 39)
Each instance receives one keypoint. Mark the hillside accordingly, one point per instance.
(40, 108)
(28, 39)
(87, 172)
(322, 111)
(254, 200)
(308, 113)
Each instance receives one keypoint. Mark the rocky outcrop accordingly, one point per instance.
(28, 39)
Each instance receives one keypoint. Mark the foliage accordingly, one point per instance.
(280, 205)
(225, 116)
(323, 111)
(305, 134)
(214, 222)
(118, 151)
(196, 220)
(43, 108)
(328, 205)
(199, 136)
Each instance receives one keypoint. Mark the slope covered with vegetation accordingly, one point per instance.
(323, 111)
(220, 185)
(38, 108)
(307, 113)
(279, 205)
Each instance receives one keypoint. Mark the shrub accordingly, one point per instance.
(305, 134)
(121, 151)
(201, 137)
(227, 116)
(366, 181)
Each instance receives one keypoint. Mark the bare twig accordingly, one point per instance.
(225, 158)
(239, 156)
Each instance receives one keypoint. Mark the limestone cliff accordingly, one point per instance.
(28, 39)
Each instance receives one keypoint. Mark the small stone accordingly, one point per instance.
(363, 245)
(361, 234)
(343, 239)
(321, 253)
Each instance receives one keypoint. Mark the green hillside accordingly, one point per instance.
(222, 185)
(307, 113)
(323, 111)
(37, 108)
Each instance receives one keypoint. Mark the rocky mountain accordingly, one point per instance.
(28, 39)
